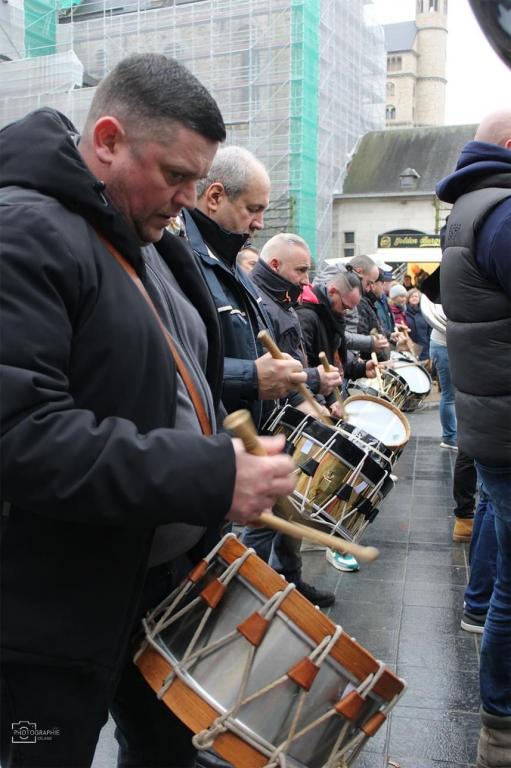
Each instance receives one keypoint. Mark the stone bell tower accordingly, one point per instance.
(431, 40)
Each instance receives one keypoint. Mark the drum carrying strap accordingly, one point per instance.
(193, 394)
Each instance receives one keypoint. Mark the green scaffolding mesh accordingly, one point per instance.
(41, 25)
(305, 37)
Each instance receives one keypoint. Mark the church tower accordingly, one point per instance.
(416, 67)
(431, 21)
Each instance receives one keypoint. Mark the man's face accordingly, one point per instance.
(244, 215)
(342, 301)
(293, 264)
(151, 181)
(369, 277)
(378, 288)
(247, 260)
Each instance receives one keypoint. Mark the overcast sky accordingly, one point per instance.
(478, 81)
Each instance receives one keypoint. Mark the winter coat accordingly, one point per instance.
(323, 331)
(398, 314)
(280, 297)
(90, 462)
(475, 283)
(240, 310)
(420, 331)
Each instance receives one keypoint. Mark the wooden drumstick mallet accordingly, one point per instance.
(241, 425)
(326, 365)
(378, 372)
(270, 346)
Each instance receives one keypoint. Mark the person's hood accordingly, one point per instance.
(321, 305)
(40, 152)
(478, 161)
(224, 244)
(278, 288)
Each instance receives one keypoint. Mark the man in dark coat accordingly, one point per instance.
(475, 284)
(280, 274)
(109, 468)
(231, 202)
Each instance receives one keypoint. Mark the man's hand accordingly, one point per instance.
(260, 480)
(371, 369)
(335, 410)
(397, 337)
(380, 342)
(276, 378)
(328, 380)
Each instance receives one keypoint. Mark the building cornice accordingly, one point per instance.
(378, 195)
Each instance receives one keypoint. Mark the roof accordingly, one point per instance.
(400, 36)
(382, 156)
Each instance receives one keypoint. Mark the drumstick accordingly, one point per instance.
(378, 372)
(326, 365)
(270, 346)
(241, 425)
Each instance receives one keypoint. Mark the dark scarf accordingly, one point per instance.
(275, 286)
(224, 244)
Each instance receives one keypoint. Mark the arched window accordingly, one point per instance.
(391, 89)
(390, 112)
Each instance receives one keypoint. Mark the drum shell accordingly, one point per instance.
(211, 684)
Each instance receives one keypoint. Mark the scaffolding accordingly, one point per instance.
(297, 81)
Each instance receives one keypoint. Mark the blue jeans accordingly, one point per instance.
(280, 551)
(495, 670)
(483, 557)
(440, 359)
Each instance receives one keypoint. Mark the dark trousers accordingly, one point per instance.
(72, 706)
(464, 485)
(149, 735)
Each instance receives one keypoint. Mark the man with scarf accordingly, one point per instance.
(334, 292)
(280, 275)
(230, 207)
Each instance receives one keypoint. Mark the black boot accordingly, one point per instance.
(317, 597)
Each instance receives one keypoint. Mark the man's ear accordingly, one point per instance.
(107, 136)
(214, 196)
(274, 264)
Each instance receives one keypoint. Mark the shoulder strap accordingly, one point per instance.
(180, 365)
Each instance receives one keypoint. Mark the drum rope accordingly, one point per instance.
(225, 578)
(206, 738)
(317, 656)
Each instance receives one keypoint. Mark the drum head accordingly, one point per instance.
(416, 377)
(383, 420)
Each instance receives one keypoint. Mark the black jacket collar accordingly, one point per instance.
(54, 167)
(226, 245)
(274, 285)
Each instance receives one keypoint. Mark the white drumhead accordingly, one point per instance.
(416, 378)
(378, 420)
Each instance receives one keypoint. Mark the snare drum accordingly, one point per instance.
(339, 480)
(394, 388)
(417, 378)
(382, 420)
(257, 673)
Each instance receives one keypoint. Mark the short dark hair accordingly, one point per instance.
(148, 89)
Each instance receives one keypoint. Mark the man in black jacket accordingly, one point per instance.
(280, 275)
(475, 283)
(231, 202)
(323, 327)
(104, 447)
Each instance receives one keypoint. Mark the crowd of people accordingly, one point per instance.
(127, 338)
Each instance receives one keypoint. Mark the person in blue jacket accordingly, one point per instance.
(420, 331)
(475, 287)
